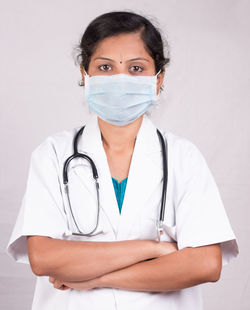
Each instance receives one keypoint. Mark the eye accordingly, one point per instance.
(136, 69)
(105, 67)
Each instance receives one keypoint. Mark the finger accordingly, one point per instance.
(51, 280)
(64, 287)
(57, 284)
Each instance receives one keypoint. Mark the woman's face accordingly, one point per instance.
(124, 53)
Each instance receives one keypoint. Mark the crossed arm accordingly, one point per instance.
(140, 265)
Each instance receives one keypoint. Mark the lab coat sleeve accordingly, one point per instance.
(41, 211)
(200, 215)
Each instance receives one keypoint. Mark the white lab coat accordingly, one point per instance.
(194, 214)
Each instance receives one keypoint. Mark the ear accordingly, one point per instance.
(160, 79)
(83, 75)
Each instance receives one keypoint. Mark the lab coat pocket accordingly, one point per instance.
(102, 233)
(82, 206)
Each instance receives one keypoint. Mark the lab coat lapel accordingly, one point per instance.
(145, 175)
(91, 144)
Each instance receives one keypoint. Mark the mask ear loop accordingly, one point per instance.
(86, 74)
(158, 73)
(86, 90)
(161, 88)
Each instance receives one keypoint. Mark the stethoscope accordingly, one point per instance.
(76, 154)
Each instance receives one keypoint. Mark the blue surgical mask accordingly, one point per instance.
(121, 98)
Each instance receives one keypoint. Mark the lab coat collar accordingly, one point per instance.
(147, 140)
(145, 173)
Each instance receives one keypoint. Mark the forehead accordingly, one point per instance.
(125, 45)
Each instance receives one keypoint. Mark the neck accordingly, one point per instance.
(118, 139)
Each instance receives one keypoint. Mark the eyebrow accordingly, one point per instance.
(133, 59)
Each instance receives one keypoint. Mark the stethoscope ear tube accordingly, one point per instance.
(164, 147)
(75, 142)
(78, 155)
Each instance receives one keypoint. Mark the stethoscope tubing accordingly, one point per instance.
(76, 154)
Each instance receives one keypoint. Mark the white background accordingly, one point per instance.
(206, 100)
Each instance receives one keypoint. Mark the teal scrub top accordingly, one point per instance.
(119, 191)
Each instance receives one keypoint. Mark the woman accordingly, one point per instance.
(108, 257)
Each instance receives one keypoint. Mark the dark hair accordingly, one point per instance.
(117, 22)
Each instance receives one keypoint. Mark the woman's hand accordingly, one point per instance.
(58, 284)
(166, 247)
(84, 285)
